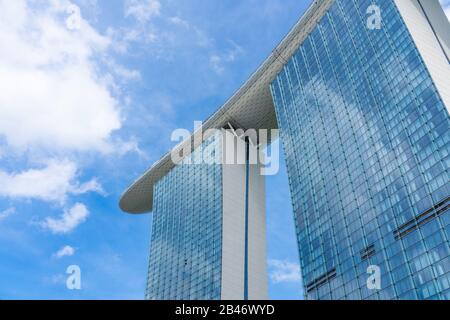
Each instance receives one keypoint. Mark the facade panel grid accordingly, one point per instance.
(186, 245)
(367, 142)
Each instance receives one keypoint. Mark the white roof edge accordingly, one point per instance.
(138, 198)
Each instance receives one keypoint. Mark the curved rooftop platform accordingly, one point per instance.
(250, 107)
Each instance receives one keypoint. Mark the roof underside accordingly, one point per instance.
(250, 107)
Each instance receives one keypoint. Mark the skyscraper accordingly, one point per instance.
(208, 236)
(367, 141)
(360, 92)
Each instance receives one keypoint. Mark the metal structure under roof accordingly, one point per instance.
(250, 107)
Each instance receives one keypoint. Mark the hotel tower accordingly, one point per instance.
(360, 91)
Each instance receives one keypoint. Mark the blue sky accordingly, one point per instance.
(89, 103)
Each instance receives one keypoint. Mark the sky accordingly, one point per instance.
(90, 92)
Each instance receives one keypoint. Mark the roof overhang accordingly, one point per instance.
(250, 107)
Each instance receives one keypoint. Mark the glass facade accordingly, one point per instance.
(367, 142)
(185, 251)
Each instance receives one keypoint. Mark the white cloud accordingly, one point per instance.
(68, 221)
(65, 251)
(179, 22)
(53, 94)
(6, 213)
(142, 10)
(284, 271)
(141, 29)
(123, 73)
(218, 61)
(123, 147)
(53, 183)
(57, 279)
